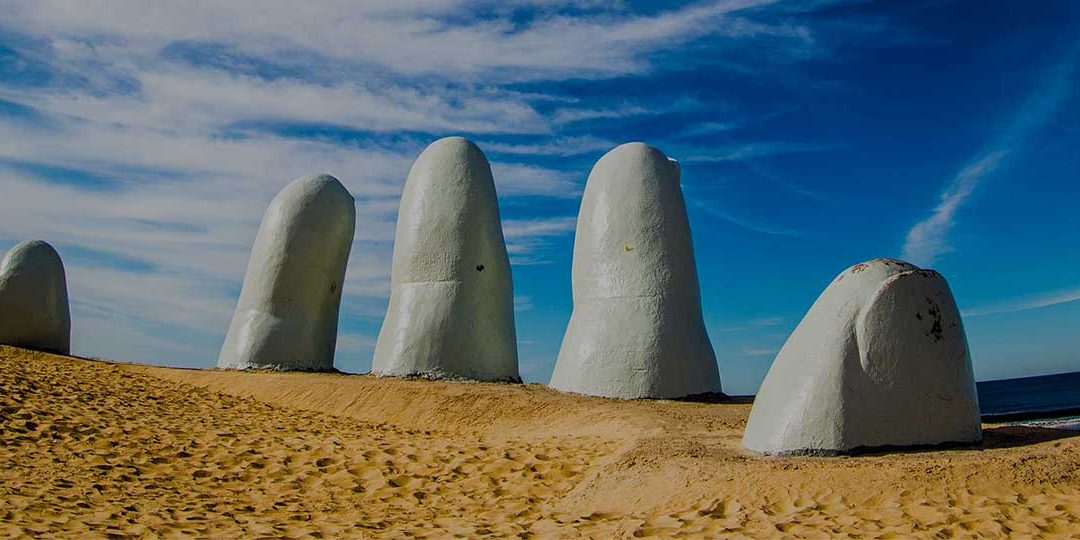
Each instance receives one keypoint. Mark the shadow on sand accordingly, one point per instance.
(1013, 436)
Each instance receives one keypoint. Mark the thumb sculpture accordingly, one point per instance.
(880, 360)
(451, 312)
(287, 315)
(636, 330)
(34, 312)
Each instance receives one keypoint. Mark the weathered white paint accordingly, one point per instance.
(636, 330)
(34, 311)
(880, 359)
(451, 312)
(287, 315)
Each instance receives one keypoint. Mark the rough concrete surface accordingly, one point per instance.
(451, 312)
(636, 330)
(287, 315)
(880, 360)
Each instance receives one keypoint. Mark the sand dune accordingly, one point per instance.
(101, 449)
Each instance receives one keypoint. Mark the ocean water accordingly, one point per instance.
(1044, 401)
(1071, 423)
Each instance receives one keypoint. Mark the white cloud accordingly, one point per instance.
(523, 303)
(1025, 303)
(200, 99)
(410, 38)
(517, 179)
(759, 351)
(744, 152)
(527, 238)
(927, 240)
(561, 146)
(758, 323)
(711, 128)
(530, 228)
(748, 224)
(354, 343)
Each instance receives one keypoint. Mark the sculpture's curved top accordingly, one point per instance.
(448, 221)
(633, 235)
(305, 211)
(29, 257)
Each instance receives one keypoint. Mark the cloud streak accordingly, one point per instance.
(1026, 303)
(750, 225)
(411, 39)
(759, 351)
(927, 240)
(526, 239)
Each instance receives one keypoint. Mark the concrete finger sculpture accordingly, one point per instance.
(636, 330)
(287, 315)
(451, 312)
(34, 311)
(880, 360)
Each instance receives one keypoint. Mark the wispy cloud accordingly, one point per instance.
(530, 228)
(759, 351)
(409, 39)
(749, 151)
(760, 322)
(561, 146)
(354, 343)
(523, 303)
(927, 240)
(526, 238)
(750, 225)
(712, 128)
(758, 168)
(572, 115)
(521, 179)
(185, 97)
(1025, 303)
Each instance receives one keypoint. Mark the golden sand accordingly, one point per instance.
(95, 449)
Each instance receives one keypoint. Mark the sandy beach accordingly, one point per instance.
(98, 449)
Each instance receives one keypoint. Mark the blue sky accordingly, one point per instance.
(145, 141)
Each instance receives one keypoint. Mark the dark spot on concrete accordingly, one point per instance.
(936, 329)
(479, 268)
(918, 316)
(333, 287)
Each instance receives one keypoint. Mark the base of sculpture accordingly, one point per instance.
(610, 362)
(433, 331)
(873, 450)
